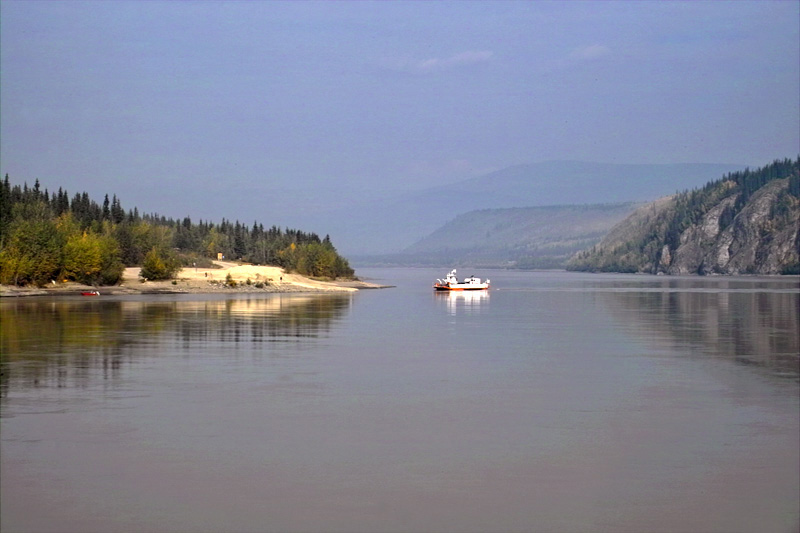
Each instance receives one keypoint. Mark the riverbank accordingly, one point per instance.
(247, 279)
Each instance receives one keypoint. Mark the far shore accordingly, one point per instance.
(248, 278)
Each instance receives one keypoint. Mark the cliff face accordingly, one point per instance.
(738, 225)
(755, 242)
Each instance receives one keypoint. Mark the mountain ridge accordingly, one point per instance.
(517, 237)
(392, 224)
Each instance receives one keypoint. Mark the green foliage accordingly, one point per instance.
(82, 257)
(111, 267)
(792, 269)
(32, 248)
(5, 207)
(195, 260)
(544, 262)
(44, 236)
(316, 259)
(92, 259)
(159, 264)
(794, 184)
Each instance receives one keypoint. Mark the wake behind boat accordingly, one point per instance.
(451, 283)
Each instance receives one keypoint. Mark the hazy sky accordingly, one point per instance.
(128, 98)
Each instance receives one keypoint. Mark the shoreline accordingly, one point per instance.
(200, 281)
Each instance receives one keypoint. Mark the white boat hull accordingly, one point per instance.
(461, 287)
(451, 283)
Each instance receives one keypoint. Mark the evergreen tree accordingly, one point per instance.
(5, 207)
(117, 213)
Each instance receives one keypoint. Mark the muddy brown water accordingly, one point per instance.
(555, 402)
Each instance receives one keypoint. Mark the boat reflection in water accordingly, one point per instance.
(468, 302)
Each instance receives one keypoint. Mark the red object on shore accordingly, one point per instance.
(90, 293)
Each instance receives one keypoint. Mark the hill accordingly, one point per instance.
(745, 223)
(391, 224)
(523, 237)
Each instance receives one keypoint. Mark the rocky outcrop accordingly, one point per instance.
(729, 227)
(755, 242)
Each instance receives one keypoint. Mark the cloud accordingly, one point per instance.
(589, 53)
(435, 64)
(464, 58)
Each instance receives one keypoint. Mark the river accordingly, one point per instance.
(555, 401)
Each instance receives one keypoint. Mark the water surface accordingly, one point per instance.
(554, 402)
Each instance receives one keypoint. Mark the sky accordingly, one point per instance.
(271, 100)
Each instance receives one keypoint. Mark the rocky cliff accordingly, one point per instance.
(745, 223)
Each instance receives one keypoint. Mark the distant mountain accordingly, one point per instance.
(390, 225)
(522, 237)
(747, 222)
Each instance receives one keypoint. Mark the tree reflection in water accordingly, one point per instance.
(755, 327)
(65, 342)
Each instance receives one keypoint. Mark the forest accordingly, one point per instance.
(46, 237)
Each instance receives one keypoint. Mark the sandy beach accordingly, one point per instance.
(261, 279)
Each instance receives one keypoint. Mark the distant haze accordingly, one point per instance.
(388, 225)
(292, 113)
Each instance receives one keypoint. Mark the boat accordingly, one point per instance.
(451, 283)
(90, 293)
